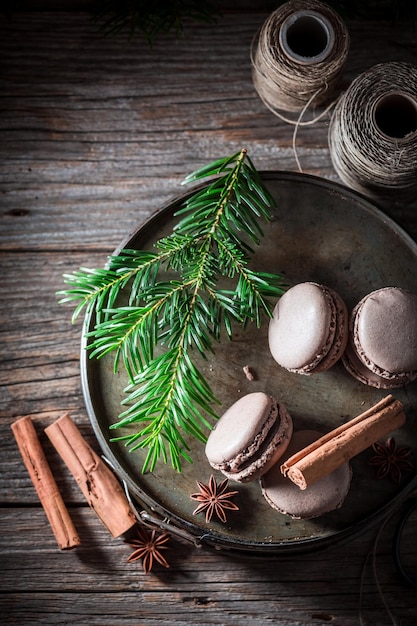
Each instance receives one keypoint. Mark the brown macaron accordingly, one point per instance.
(309, 328)
(382, 347)
(249, 437)
(326, 495)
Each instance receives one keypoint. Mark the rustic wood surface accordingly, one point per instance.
(96, 134)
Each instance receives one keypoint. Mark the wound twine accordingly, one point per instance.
(299, 55)
(373, 132)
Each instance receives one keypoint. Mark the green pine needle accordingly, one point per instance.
(161, 322)
(151, 18)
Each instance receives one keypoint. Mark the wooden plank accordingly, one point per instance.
(39, 356)
(93, 584)
(93, 127)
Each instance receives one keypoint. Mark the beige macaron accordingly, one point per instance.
(382, 347)
(309, 328)
(250, 437)
(325, 495)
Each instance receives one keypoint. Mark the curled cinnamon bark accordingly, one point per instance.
(44, 482)
(99, 485)
(343, 443)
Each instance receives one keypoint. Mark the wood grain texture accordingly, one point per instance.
(94, 584)
(95, 135)
(89, 124)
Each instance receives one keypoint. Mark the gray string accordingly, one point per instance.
(365, 156)
(285, 83)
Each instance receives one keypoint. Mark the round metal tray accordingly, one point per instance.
(320, 232)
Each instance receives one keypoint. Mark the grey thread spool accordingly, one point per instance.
(373, 132)
(299, 57)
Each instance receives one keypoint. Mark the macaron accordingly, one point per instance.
(325, 495)
(250, 437)
(382, 347)
(308, 331)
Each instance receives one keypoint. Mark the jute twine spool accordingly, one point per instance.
(373, 132)
(299, 55)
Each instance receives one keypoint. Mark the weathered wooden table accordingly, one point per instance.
(96, 134)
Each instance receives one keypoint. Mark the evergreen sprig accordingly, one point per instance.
(179, 300)
(151, 17)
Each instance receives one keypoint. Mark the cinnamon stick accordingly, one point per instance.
(343, 443)
(96, 480)
(44, 482)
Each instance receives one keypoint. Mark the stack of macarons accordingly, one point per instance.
(382, 347)
(311, 330)
(250, 441)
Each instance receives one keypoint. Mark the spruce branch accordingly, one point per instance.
(164, 321)
(151, 18)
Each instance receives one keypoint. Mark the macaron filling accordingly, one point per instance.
(358, 370)
(340, 336)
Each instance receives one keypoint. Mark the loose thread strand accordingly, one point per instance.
(299, 123)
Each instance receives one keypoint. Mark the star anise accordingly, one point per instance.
(214, 498)
(148, 547)
(390, 459)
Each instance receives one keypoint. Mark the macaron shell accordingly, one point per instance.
(239, 427)
(322, 497)
(385, 332)
(302, 329)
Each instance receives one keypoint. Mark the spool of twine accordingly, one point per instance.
(373, 132)
(298, 56)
